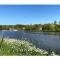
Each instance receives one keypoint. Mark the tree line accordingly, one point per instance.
(35, 27)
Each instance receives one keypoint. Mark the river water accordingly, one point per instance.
(43, 40)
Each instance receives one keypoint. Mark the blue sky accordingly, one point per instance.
(29, 14)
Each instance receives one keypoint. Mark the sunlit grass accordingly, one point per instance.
(20, 48)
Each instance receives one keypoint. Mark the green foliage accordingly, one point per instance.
(20, 48)
(35, 27)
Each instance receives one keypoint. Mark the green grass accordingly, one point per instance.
(20, 48)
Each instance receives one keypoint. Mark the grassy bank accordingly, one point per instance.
(20, 48)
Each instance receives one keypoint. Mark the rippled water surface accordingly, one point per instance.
(42, 40)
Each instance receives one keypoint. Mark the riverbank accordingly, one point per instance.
(20, 48)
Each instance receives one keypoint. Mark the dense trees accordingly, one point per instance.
(36, 27)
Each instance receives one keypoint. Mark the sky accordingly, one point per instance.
(29, 14)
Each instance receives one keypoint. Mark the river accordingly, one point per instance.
(43, 40)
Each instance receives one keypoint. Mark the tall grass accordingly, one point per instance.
(20, 48)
